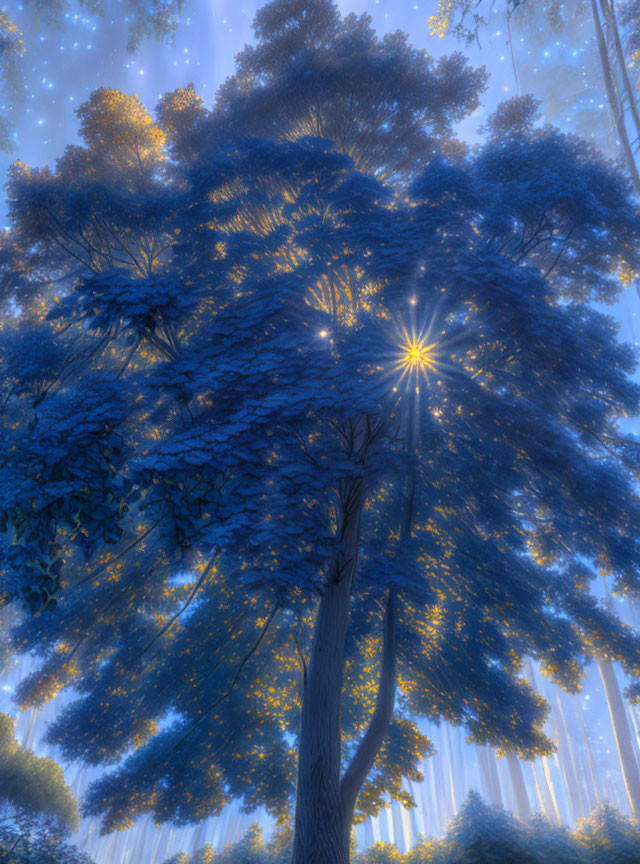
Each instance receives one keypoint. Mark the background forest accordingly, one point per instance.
(319, 410)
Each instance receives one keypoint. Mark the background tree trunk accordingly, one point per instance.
(593, 770)
(622, 733)
(608, 12)
(489, 770)
(617, 111)
(567, 764)
(519, 787)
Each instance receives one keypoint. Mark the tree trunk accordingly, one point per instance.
(545, 796)
(488, 768)
(399, 840)
(325, 801)
(519, 787)
(322, 833)
(567, 764)
(593, 769)
(369, 838)
(622, 734)
(325, 804)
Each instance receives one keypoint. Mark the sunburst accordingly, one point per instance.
(416, 358)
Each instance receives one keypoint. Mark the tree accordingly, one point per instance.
(155, 18)
(427, 852)
(381, 853)
(483, 833)
(34, 798)
(90, 208)
(12, 50)
(276, 501)
(552, 842)
(250, 850)
(607, 836)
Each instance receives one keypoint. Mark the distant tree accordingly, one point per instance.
(479, 834)
(180, 114)
(280, 525)
(380, 853)
(183, 858)
(36, 805)
(251, 849)
(147, 18)
(608, 837)
(483, 833)
(103, 206)
(552, 842)
(45, 847)
(12, 49)
(426, 852)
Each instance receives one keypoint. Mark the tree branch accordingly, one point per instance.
(174, 618)
(234, 680)
(365, 756)
(117, 557)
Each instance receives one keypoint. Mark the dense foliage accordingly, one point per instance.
(41, 849)
(479, 834)
(311, 427)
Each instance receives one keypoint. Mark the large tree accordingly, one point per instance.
(341, 456)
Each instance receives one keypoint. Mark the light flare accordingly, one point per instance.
(417, 358)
